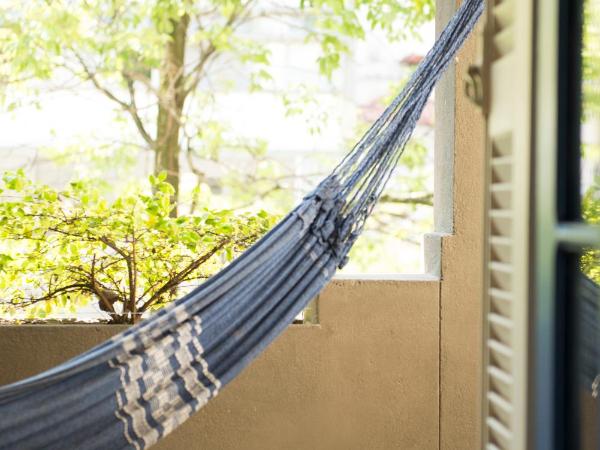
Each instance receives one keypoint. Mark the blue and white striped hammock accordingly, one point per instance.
(139, 386)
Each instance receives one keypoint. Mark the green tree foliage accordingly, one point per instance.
(590, 259)
(591, 59)
(62, 249)
(149, 58)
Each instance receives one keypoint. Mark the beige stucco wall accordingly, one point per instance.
(365, 378)
(462, 275)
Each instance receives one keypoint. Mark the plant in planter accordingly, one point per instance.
(63, 249)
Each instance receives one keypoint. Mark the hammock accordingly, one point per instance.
(140, 385)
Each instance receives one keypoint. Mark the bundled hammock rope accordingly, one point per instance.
(139, 386)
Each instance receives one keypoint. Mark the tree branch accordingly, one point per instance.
(110, 243)
(130, 107)
(175, 280)
(419, 199)
(62, 290)
(99, 293)
(133, 111)
(195, 74)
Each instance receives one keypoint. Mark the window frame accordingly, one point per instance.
(557, 229)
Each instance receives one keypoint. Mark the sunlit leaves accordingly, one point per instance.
(338, 21)
(120, 37)
(591, 59)
(64, 249)
(590, 259)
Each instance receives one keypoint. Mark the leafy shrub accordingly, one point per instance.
(590, 259)
(63, 249)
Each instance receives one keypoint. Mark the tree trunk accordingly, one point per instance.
(170, 108)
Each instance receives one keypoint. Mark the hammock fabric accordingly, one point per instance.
(139, 386)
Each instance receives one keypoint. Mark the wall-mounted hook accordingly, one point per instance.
(474, 85)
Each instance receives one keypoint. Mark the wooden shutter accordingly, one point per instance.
(507, 79)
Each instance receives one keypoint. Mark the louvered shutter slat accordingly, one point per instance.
(506, 228)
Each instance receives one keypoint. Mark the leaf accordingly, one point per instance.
(50, 195)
